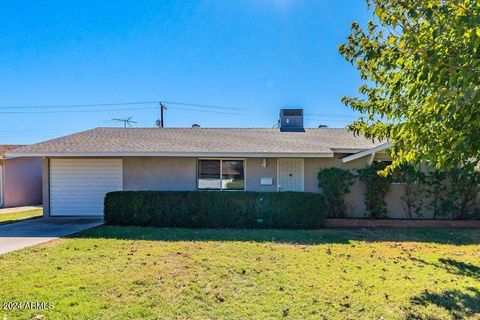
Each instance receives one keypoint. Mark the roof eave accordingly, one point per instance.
(367, 152)
(174, 154)
(348, 150)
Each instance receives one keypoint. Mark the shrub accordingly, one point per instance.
(437, 191)
(463, 190)
(454, 193)
(414, 188)
(193, 209)
(335, 183)
(377, 187)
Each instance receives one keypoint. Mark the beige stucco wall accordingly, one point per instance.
(397, 207)
(22, 182)
(155, 173)
(255, 172)
(178, 173)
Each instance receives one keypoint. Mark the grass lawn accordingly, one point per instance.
(132, 273)
(20, 215)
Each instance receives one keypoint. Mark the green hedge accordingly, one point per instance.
(190, 209)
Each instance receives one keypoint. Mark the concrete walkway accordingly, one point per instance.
(18, 209)
(19, 235)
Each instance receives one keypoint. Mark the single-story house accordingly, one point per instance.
(20, 179)
(79, 169)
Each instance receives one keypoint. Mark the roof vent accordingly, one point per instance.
(322, 126)
(195, 125)
(291, 120)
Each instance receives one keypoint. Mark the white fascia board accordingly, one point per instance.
(172, 154)
(347, 150)
(367, 152)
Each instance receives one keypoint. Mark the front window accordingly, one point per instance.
(209, 175)
(232, 175)
(220, 174)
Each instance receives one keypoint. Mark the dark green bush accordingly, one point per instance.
(377, 187)
(463, 188)
(191, 209)
(335, 183)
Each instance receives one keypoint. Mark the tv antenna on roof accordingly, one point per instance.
(126, 122)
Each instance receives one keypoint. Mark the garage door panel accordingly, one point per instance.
(86, 212)
(108, 178)
(63, 193)
(99, 173)
(91, 197)
(80, 168)
(78, 186)
(85, 181)
(66, 170)
(78, 205)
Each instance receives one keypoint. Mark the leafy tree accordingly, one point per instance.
(420, 61)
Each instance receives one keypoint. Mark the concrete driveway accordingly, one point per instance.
(24, 234)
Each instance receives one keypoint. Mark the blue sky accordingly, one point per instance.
(254, 55)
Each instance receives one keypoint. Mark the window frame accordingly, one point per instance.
(221, 174)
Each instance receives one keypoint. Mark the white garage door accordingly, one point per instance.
(78, 186)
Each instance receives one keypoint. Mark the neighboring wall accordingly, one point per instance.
(22, 182)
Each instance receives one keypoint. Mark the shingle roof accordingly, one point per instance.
(199, 141)
(7, 147)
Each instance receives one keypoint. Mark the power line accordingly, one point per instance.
(200, 105)
(77, 105)
(117, 109)
(62, 106)
(145, 102)
(73, 111)
(39, 130)
(30, 135)
(210, 111)
(329, 120)
(156, 108)
(330, 115)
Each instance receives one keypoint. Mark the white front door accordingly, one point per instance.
(78, 186)
(290, 175)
